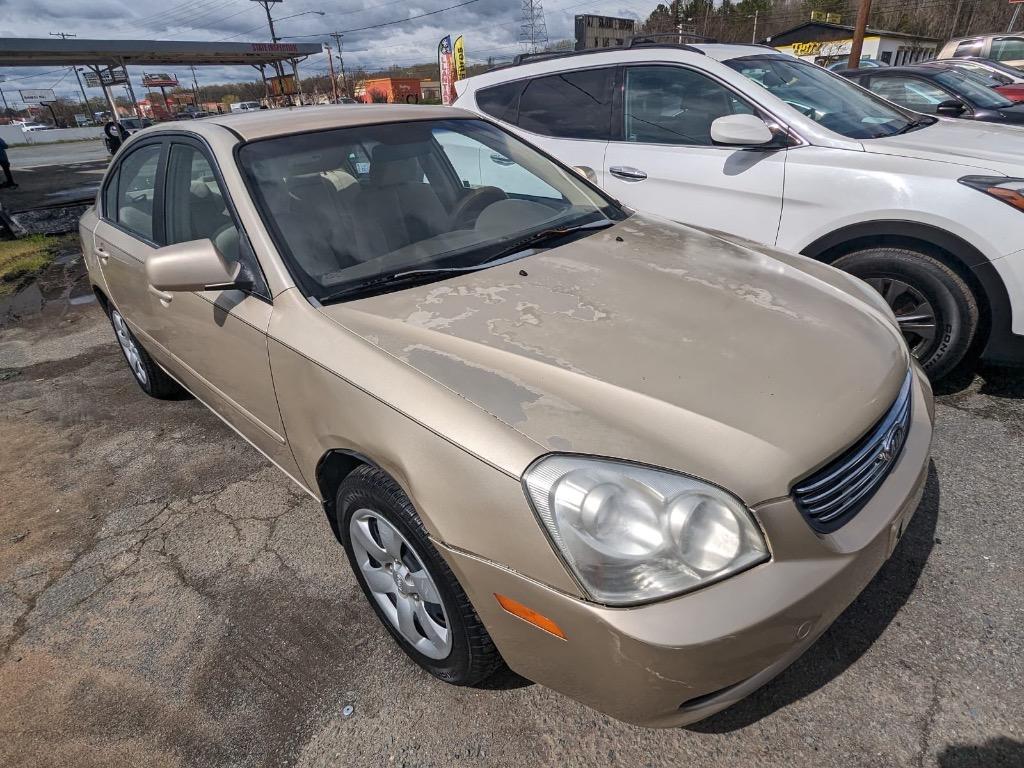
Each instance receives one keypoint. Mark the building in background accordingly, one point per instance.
(393, 90)
(430, 90)
(824, 43)
(603, 31)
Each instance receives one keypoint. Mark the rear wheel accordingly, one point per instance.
(150, 376)
(408, 584)
(935, 308)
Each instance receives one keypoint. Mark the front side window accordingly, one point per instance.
(136, 190)
(910, 92)
(973, 88)
(195, 205)
(673, 105)
(831, 100)
(1007, 49)
(439, 195)
(572, 105)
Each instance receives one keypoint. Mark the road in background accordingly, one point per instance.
(61, 153)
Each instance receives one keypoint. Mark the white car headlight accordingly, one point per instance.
(633, 534)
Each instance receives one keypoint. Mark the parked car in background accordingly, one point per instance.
(865, 63)
(744, 139)
(1005, 48)
(522, 405)
(246, 106)
(1006, 80)
(937, 88)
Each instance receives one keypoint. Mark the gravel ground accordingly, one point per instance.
(167, 598)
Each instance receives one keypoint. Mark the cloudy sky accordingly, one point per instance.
(490, 27)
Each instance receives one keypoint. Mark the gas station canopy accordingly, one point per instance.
(27, 52)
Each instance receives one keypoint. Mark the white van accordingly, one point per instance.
(245, 106)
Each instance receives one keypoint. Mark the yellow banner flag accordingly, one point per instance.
(460, 59)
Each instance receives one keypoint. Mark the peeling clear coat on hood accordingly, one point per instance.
(657, 343)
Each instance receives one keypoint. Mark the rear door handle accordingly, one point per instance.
(165, 298)
(627, 173)
(102, 253)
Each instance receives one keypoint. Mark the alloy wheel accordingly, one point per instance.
(131, 350)
(914, 313)
(401, 585)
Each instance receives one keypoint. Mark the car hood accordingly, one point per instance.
(658, 343)
(989, 146)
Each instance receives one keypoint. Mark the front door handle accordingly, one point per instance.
(627, 173)
(165, 298)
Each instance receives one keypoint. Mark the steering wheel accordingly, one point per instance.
(472, 205)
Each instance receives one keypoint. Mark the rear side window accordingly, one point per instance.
(968, 48)
(572, 105)
(136, 189)
(501, 101)
(110, 198)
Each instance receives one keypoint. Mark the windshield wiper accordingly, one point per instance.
(911, 125)
(411, 277)
(542, 237)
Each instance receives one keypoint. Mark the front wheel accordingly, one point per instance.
(936, 309)
(408, 584)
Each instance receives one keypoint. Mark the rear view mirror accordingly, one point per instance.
(741, 131)
(950, 108)
(192, 266)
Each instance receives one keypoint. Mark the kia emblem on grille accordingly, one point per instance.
(891, 444)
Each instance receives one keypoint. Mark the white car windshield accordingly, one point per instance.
(828, 99)
(363, 210)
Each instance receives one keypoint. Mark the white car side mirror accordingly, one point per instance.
(741, 130)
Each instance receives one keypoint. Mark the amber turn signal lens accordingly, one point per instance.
(529, 615)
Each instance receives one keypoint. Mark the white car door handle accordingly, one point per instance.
(102, 253)
(627, 173)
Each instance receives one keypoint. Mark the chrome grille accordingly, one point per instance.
(830, 497)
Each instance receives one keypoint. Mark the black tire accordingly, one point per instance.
(948, 299)
(150, 377)
(473, 657)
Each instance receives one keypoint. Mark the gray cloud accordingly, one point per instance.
(491, 29)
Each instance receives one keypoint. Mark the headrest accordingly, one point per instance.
(199, 189)
(397, 164)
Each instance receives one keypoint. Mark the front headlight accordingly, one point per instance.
(1009, 190)
(633, 534)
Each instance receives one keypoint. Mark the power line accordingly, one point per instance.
(387, 23)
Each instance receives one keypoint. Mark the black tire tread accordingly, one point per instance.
(485, 659)
(161, 386)
(913, 260)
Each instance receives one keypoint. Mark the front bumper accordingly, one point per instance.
(680, 660)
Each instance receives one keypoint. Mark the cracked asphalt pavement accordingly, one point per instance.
(168, 598)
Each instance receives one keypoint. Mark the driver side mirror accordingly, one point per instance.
(950, 108)
(741, 131)
(192, 266)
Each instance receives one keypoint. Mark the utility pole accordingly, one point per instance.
(341, 62)
(84, 97)
(195, 86)
(334, 83)
(273, 33)
(753, 35)
(858, 33)
(1013, 19)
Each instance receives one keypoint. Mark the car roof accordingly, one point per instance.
(925, 70)
(280, 122)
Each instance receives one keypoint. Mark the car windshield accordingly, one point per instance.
(973, 88)
(828, 99)
(357, 210)
(992, 77)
